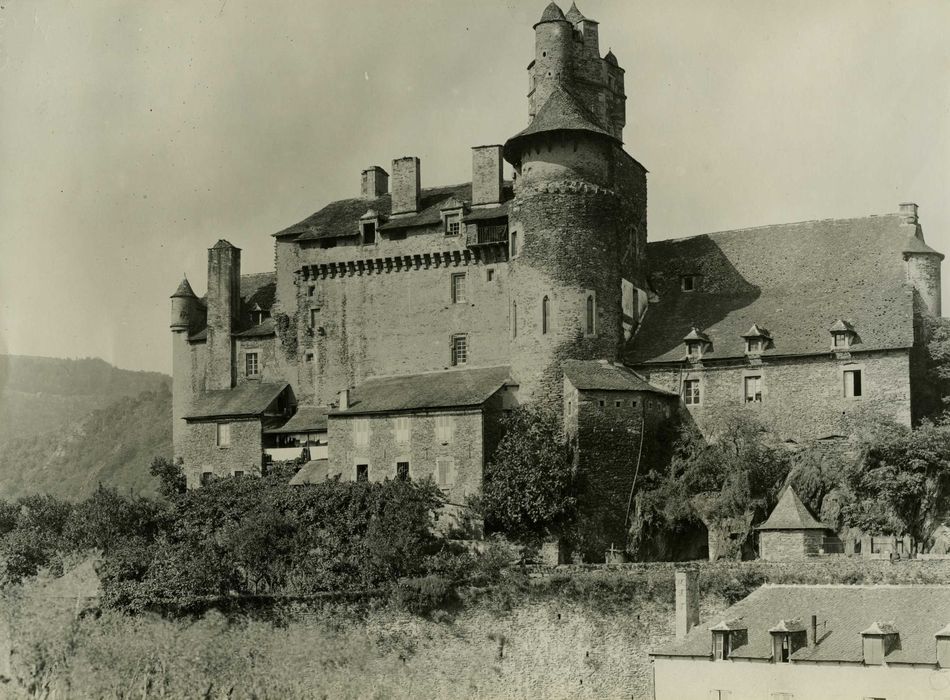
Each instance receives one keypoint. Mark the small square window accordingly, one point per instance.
(689, 283)
(841, 340)
(402, 471)
(458, 288)
(618, 404)
(459, 350)
(238, 473)
(223, 434)
(308, 357)
(310, 290)
(691, 392)
(251, 365)
(362, 472)
(601, 403)
(206, 478)
(754, 345)
(453, 224)
(694, 350)
(853, 384)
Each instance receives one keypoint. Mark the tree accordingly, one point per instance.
(528, 488)
(171, 477)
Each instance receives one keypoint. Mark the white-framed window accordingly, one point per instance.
(222, 434)
(853, 383)
(754, 345)
(252, 366)
(458, 288)
(691, 393)
(753, 389)
(361, 432)
(238, 473)
(444, 429)
(445, 472)
(459, 349)
(453, 224)
(841, 339)
(618, 403)
(694, 349)
(402, 430)
(720, 646)
(601, 403)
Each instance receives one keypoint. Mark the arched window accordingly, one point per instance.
(590, 314)
(545, 315)
(514, 319)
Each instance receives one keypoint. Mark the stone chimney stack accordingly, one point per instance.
(486, 175)
(687, 602)
(374, 182)
(344, 400)
(908, 211)
(224, 308)
(406, 185)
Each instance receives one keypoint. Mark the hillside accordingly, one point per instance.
(66, 425)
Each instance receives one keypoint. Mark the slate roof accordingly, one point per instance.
(917, 245)
(791, 514)
(458, 388)
(341, 218)
(552, 13)
(487, 213)
(247, 400)
(315, 472)
(795, 279)
(574, 15)
(184, 290)
(560, 112)
(600, 375)
(307, 419)
(917, 612)
(263, 329)
(257, 288)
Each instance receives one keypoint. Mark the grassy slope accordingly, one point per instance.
(66, 425)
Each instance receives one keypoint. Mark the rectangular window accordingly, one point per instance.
(444, 429)
(402, 430)
(362, 472)
(314, 317)
(445, 472)
(753, 389)
(453, 224)
(688, 283)
(238, 473)
(223, 434)
(310, 290)
(206, 478)
(841, 340)
(852, 384)
(514, 244)
(618, 404)
(721, 645)
(753, 345)
(489, 274)
(458, 288)
(691, 392)
(251, 365)
(369, 233)
(402, 471)
(601, 403)
(459, 350)
(308, 357)
(361, 432)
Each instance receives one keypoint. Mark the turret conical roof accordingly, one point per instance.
(791, 514)
(552, 13)
(917, 246)
(574, 15)
(184, 290)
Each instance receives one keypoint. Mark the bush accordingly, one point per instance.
(424, 594)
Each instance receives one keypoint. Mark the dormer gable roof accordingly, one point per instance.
(880, 629)
(757, 332)
(695, 334)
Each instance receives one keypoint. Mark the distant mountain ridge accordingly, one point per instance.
(67, 425)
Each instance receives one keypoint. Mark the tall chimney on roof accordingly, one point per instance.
(374, 182)
(687, 602)
(224, 308)
(486, 175)
(908, 211)
(406, 185)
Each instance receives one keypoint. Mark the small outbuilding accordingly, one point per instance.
(791, 531)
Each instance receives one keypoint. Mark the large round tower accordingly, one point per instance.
(577, 223)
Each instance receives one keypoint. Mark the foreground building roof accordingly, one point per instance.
(459, 388)
(795, 279)
(307, 419)
(915, 613)
(601, 375)
(791, 514)
(245, 401)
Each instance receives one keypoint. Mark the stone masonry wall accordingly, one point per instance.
(381, 451)
(803, 397)
(201, 454)
(782, 545)
(267, 358)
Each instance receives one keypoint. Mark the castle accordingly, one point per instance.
(401, 324)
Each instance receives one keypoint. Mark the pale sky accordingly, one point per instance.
(133, 135)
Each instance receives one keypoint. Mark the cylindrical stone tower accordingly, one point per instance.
(922, 264)
(185, 316)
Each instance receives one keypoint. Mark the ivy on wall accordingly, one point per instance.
(286, 327)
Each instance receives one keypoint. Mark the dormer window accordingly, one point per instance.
(757, 340)
(453, 224)
(788, 636)
(721, 646)
(689, 283)
(369, 232)
(879, 640)
(697, 344)
(842, 335)
(727, 636)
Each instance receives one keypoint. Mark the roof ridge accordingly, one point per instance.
(434, 371)
(774, 226)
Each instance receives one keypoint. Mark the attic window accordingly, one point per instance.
(754, 345)
(369, 232)
(721, 646)
(689, 283)
(453, 224)
(841, 339)
(694, 349)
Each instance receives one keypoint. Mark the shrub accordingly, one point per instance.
(424, 594)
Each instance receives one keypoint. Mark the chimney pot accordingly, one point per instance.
(374, 182)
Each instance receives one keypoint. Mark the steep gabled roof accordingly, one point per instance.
(560, 112)
(340, 219)
(918, 613)
(598, 375)
(245, 401)
(459, 388)
(791, 514)
(795, 279)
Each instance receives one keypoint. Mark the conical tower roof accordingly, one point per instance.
(184, 290)
(552, 13)
(916, 245)
(574, 15)
(791, 514)
(560, 112)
